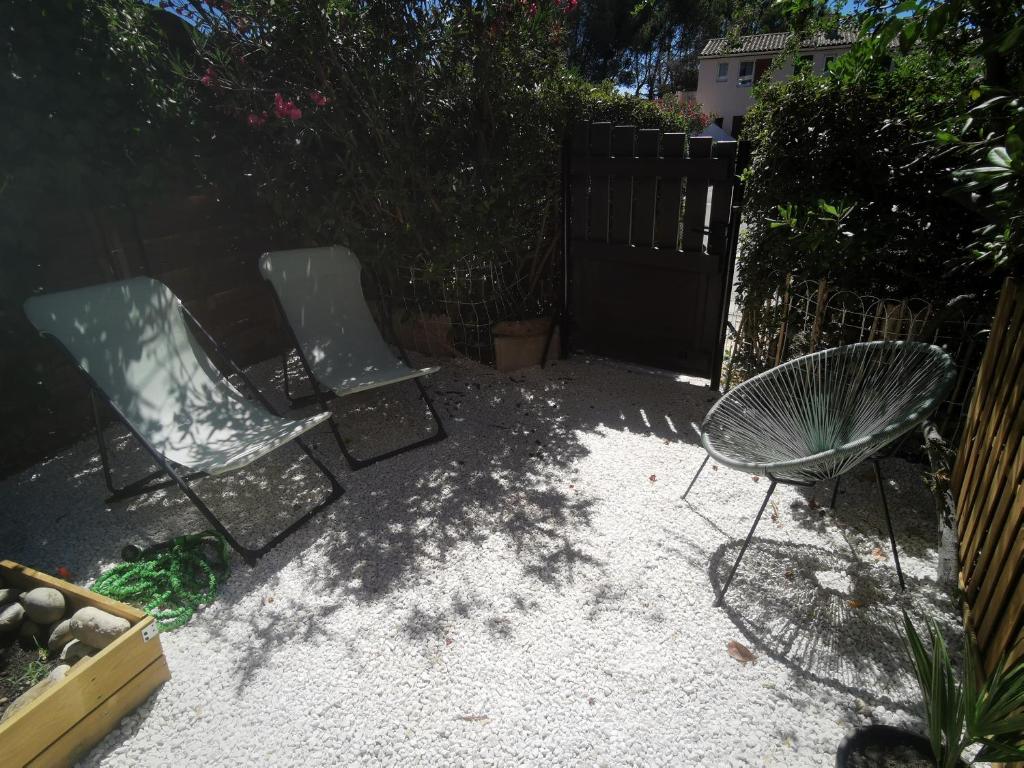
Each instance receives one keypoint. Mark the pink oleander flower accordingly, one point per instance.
(209, 79)
(255, 121)
(285, 108)
(318, 98)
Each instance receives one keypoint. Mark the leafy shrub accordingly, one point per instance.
(847, 185)
(424, 134)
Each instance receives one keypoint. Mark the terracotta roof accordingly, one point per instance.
(776, 41)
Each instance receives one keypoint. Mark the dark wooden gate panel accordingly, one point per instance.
(651, 244)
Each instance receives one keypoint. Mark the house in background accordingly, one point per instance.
(726, 71)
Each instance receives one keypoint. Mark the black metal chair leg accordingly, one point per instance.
(136, 488)
(248, 554)
(356, 463)
(699, 470)
(835, 493)
(728, 581)
(888, 522)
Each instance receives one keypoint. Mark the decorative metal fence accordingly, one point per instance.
(803, 317)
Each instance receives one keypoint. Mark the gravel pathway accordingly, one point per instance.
(531, 591)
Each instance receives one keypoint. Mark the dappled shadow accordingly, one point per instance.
(827, 615)
(859, 507)
(504, 478)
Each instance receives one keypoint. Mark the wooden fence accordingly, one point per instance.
(987, 483)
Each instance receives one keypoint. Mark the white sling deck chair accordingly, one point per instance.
(320, 294)
(131, 340)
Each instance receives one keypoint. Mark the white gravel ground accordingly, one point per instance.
(531, 591)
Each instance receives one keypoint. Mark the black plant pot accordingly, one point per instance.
(882, 746)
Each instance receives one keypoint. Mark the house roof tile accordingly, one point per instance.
(775, 41)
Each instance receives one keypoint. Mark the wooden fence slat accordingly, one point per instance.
(645, 190)
(988, 480)
(1003, 309)
(994, 509)
(971, 453)
(1000, 582)
(600, 146)
(721, 200)
(987, 441)
(666, 214)
(623, 145)
(579, 184)
(695, 208)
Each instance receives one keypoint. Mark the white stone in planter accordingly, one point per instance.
(59, 637)
(9, 595)
(56, 675)
(10, 617)
(44, 605)
(76, 650)
(97, 628)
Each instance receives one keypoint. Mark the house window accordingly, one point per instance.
(719, 121)
(746, 78)
(723, 72)
(828, 62)
(737, 126)
(761, 66)
(806, 63)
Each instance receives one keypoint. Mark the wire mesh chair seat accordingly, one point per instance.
(819, 416)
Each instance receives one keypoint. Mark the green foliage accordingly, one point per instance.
(36, 669)
(421, 133)
(968, 712)
(79, 105)
(984, 134)
(846, 185)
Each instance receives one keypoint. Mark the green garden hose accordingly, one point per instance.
(169, 580)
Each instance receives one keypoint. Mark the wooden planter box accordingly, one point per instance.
(75, 714)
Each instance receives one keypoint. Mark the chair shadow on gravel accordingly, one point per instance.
(859, 507)
(506, 472)
(827, 615)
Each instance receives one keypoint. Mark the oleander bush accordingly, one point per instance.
(422, 133)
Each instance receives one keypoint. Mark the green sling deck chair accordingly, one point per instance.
(320, 294)
(132, 341)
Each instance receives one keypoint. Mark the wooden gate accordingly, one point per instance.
(651, 239)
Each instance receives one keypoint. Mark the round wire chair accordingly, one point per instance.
(819, 416)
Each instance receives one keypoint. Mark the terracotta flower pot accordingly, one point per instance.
(427, 334)
(522, 343)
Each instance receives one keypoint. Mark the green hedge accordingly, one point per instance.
(847, 183)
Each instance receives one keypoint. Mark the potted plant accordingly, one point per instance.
(959, 713)
(526, 336)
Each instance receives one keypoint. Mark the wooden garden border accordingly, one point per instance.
(75, 714)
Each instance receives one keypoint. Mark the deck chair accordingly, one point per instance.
(320, 295)
(133, 342)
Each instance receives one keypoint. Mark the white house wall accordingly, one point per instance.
(727, 99)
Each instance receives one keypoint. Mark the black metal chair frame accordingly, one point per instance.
(146, 485)
(775, 481)
(322, 397)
